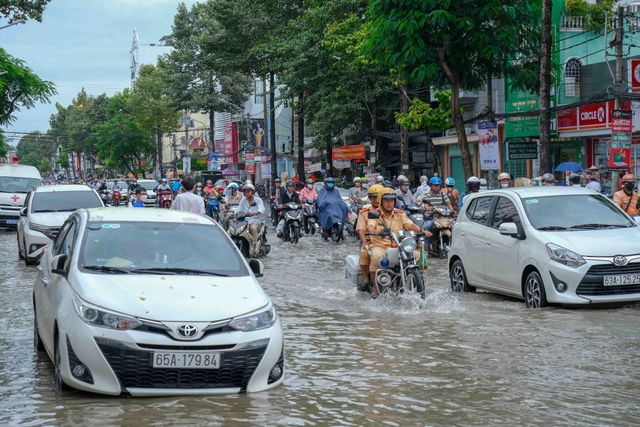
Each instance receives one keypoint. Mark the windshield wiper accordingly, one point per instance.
(177, 270)
(552, 228)
(596, 226)
(106, 269)
(45, 211)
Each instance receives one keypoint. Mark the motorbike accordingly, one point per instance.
(213, 205)
(351, 221)
(442, 226)
(335, 233)
(164, 199)
(292, 222)
(104, 196)
(399, 272)
(116, 196)
(309, 216)
(238, 230)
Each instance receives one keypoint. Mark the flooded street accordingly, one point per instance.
(470, 359)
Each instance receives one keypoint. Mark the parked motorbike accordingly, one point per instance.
(398, 272)
(165, 197)
(442, 226)
(309, 216)
(238, 230)
(292, 222)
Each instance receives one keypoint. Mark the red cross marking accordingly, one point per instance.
(15, 198)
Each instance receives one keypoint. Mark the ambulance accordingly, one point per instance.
(15, 183)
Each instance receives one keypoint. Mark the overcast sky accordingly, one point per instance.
(86, 43)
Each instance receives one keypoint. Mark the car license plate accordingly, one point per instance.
(186, 360)
(622, 280)
(12, 221)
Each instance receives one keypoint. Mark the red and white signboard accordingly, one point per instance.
(634, 70)
(588, 117)
(619, 158)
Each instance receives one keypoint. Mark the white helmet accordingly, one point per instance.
(483, 182)
(402, 178)
(472, 179)
(248, 187)
(356, 179)
(379, 179)
(504, 175)
(424, 179)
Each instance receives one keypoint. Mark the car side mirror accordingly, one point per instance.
(23, 211)
(508, 229)
(373, 215)
(257, 267)
(58, 264)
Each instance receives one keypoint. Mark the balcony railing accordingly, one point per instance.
(572, 22)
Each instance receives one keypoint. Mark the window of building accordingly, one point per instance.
(572, 77)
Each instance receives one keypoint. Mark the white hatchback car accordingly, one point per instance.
(152, 302)
(559, 245)
(45, 210)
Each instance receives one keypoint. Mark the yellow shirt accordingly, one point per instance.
(621, 199)
(397, 220)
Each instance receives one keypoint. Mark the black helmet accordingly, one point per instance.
(330, 179)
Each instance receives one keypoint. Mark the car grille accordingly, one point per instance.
(134, 369)
(592, 282)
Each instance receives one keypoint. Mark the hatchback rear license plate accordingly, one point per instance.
(186, 360)
(622, 280)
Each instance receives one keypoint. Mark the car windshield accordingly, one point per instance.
(130, 247)
(64, 201)
(12, 184)
(148, 185)
(574, 212)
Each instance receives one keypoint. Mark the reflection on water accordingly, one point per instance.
(470, 359)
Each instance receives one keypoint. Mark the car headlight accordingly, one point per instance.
(44, 229)
(564, 256)
(409, 244)
(105, 319)
(253, 322)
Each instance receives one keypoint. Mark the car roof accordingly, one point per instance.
(147, 180)
(539, 191)
(145, 214)
(20, 171)
(57, 188)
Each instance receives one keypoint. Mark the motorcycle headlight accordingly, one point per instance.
(409, 244)
(253, 322)
(105, 319)
(564, 256)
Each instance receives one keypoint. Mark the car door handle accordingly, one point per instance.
(45, 281)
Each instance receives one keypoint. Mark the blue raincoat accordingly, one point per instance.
(331, 208)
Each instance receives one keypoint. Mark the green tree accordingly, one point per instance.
(35, 148)
(21, 10)
(457, 44)
(19, 87)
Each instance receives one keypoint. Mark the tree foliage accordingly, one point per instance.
(21, 10)
(20, 88)
(424, 116)
(36, 149)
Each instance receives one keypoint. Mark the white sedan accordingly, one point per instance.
(154, 302)
(559, 245)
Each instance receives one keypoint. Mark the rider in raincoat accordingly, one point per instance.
(331, 208)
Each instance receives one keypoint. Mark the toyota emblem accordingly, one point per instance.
(620, 260)
(187, 331)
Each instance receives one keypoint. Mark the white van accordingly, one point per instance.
(15, 182)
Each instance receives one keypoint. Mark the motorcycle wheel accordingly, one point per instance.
(444, 247)
(415, 282)
(337, 233)
(294, 233)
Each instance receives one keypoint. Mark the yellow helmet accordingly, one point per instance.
(375, 189)
(386, 193)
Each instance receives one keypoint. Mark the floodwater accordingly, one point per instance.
(468, 359)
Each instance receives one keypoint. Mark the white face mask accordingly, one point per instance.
(504, 185)
(309, 186)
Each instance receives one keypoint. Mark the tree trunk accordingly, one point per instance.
(212, 131)
(545, 87)
(329, 158)
(404, 137)
(458, 122)
(272, 126)
(301, 175)
(159, 141)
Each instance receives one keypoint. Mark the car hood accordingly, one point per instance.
(12, 199)
(620, 241)
(50, 219)
(173, 298)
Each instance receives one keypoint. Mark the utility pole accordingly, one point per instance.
(300, 121)
(159, 136)
(175, 157)
(272, 126)
(544, 103)
(618, 87)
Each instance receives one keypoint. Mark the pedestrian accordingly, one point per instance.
(594, 184)
(141, 195)
(187, 201)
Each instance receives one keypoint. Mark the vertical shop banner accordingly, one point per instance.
(488, 147)
(186, 165)
(620, 158)
(621, 128)
(231, 143)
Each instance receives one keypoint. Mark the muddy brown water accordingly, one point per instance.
(470, 359)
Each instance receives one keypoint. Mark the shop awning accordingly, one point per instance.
(450, 140)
